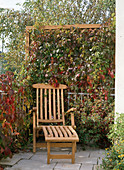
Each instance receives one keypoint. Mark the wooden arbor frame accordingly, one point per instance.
(54, 27)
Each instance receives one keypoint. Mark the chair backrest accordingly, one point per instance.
(49, 103)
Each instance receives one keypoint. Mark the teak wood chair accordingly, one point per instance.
(50, 109)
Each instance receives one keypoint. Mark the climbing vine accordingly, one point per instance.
(83, 59)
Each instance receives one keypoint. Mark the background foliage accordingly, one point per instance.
(84, 61)
(46, 12)
(114, 158)
(55, 59)
(14, 122)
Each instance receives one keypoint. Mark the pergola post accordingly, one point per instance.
(119, 80)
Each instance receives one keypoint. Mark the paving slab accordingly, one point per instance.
(97, 167)
(100, 161)
(61, 161)
(97, 154)
(85, 160)
(86, 167)
(40, 153)
(102, 151)
(23, 155)
(82, 154)
(41, 158)
(9, 161)
(32, 165)
(66, 166)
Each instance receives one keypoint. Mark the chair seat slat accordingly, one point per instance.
(63, 131)
(50, 131)
(54, 130)
(72, 130)
(59, 131)
(68, 131)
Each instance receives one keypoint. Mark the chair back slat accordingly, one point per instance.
(54, 104)
(41, 103)
(62, 103)
(58, 102)
(50, 116)
(45, 101)
(49, 103)
(37, 101)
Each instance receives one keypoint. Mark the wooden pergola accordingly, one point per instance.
(54, 27)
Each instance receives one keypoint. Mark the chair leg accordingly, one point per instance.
(75, 147)
(73, 152)
(34, 140)
(48, 152)
(37, 133)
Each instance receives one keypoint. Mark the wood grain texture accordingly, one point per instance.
(48, 86)
(50, 27)
(55, 136)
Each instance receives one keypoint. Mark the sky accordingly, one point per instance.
(10, 3)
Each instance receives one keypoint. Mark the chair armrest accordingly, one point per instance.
(72, 116)
(71, 110)
(34, 109)
(34, 117)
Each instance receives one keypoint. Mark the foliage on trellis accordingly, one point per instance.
(54, 12)
(83, 59)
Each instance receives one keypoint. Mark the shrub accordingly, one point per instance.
(93, 121)
(114, 158)
(13, 119)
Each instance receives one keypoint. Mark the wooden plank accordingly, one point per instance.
(34, 133)
(73, 152)
(62, 145)
(61, 156)
(45, 131)
(54, 105)
(50, 121)
(49, 27)
(48, 86)
(64, 139)
(41, 145)
(37, 103)
(63, 131)
(54, 130)
(68, 131)
(58, 103)
(50, 117)
(72, 130)
(27, 45)
(50, 131)
(45, 101)
(72, 119)
(41, 103)
(59, 131)
(48, 153)
(62, 104)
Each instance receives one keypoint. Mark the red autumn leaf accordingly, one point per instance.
(112, 74)
(2, 150)
(7, 151)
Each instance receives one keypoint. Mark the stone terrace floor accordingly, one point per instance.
(90, 159)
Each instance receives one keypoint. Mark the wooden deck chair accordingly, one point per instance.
(50, 109)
